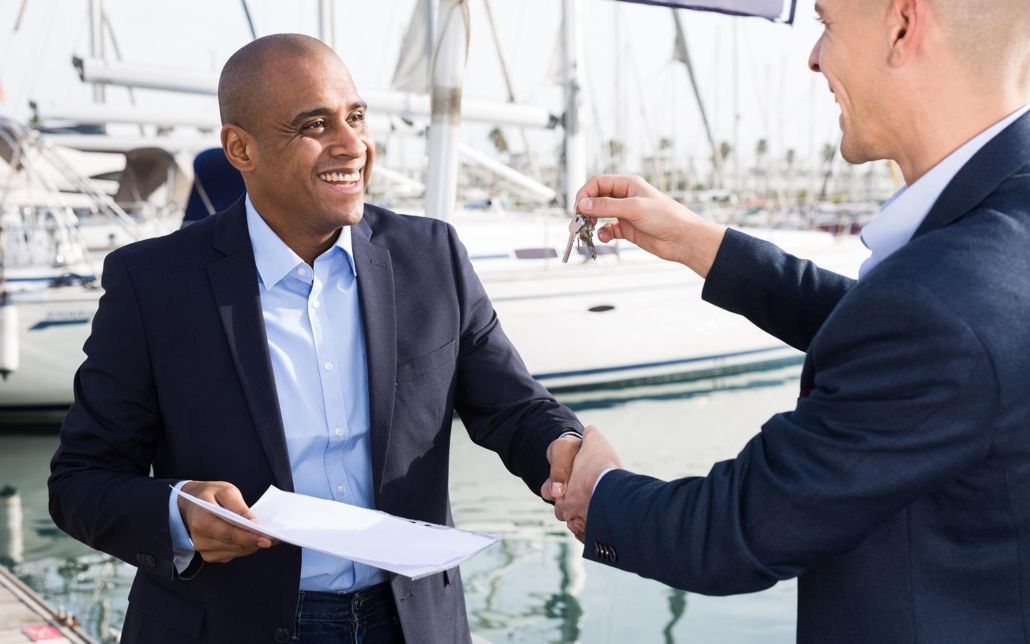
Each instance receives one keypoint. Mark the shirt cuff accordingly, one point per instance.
(601, 477)
(182, 545)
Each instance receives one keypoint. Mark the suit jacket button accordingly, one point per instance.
(145, 560)
(597, 549)
(282, 635)
(615, 555)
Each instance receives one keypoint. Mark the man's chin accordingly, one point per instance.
(350, 215)
(854, 152)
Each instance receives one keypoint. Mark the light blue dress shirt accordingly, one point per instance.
(901, 215)
(317, 345)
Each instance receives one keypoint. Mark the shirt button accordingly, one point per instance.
(302, 271)
(314, 304)
(328, 366)
(339, 489)
(339, 431)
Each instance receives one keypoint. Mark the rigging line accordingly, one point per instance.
(42, 45)
(444, 26)
(596, 124)
(509, 84)
(649, 143)
(793, 113)
(21, 14)
(250, 20)
(14, 32)
(118, 56)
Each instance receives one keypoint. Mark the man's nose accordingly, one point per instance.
(347, 142)
(813, 57)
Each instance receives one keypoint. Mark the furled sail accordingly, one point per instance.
(771, 9)
(412, 73)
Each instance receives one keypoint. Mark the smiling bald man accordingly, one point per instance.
(305, 339)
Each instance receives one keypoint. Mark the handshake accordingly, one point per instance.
(576, 466)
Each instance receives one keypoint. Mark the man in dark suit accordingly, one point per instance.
(300, 339)
(898, 489)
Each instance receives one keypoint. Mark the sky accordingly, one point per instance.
(635, 92)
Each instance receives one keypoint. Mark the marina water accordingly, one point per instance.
(533, 586)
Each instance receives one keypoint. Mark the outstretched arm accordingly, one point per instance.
(785, 296)
(816, 482)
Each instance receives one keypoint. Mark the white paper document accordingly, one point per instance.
(410, 548)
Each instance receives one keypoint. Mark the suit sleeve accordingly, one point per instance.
(101, 491)
(899, 409)
(502, 407)
(786, 297)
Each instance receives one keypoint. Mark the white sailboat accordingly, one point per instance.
(625, 319)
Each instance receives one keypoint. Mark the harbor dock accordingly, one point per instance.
(26, 617)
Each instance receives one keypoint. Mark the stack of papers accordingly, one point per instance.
(411, 548)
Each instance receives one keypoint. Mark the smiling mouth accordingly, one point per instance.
(342, 177)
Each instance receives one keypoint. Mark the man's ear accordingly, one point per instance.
(906, 22)
(239, 147)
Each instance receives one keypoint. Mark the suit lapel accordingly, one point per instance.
(992, 165)
(379, 316)
(235, 286)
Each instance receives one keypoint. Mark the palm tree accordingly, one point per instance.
(725, 150)
(761, 150)
(790, 158)
(498, 139)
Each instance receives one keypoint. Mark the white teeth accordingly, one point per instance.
(340, 177)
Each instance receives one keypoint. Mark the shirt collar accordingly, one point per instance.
(274, 259)
(901, 215)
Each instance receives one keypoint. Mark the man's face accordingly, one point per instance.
(850, 54)
(314, 153)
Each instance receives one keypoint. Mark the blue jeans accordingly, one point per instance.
(367, 616)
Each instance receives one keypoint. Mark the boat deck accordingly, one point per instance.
(26, 617)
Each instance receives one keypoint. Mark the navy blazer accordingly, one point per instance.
(177, 379)
(898, 489)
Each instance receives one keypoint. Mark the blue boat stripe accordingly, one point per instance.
(651, 365)
(42, 324)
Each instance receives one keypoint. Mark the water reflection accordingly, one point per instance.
(12, 539)
(533, 586)
(564, 605)
(677, 607)
(612, 399)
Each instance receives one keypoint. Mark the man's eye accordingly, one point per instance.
(358, 117)
(315, 125)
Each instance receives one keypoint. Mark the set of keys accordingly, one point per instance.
(581, 230)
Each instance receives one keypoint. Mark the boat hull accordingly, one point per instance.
(627, 319)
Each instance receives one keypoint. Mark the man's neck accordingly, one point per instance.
(307, 244)
(950, 123)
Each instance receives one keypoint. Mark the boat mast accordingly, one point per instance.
(96, 42)
(326, 23)
(447, 72)
(683, 55)
(575, 145)
(534, 171)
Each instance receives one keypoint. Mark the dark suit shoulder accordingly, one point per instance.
(186, 242)
(407, 232)
(384, 221)
(173, 261)
(978, 268)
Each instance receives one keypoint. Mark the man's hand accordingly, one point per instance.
(595, 456)
(651, 220)
(560, 454)
(216, 540)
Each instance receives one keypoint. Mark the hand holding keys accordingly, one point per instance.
(580, 228)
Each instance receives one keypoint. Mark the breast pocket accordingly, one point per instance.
(427, 363)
